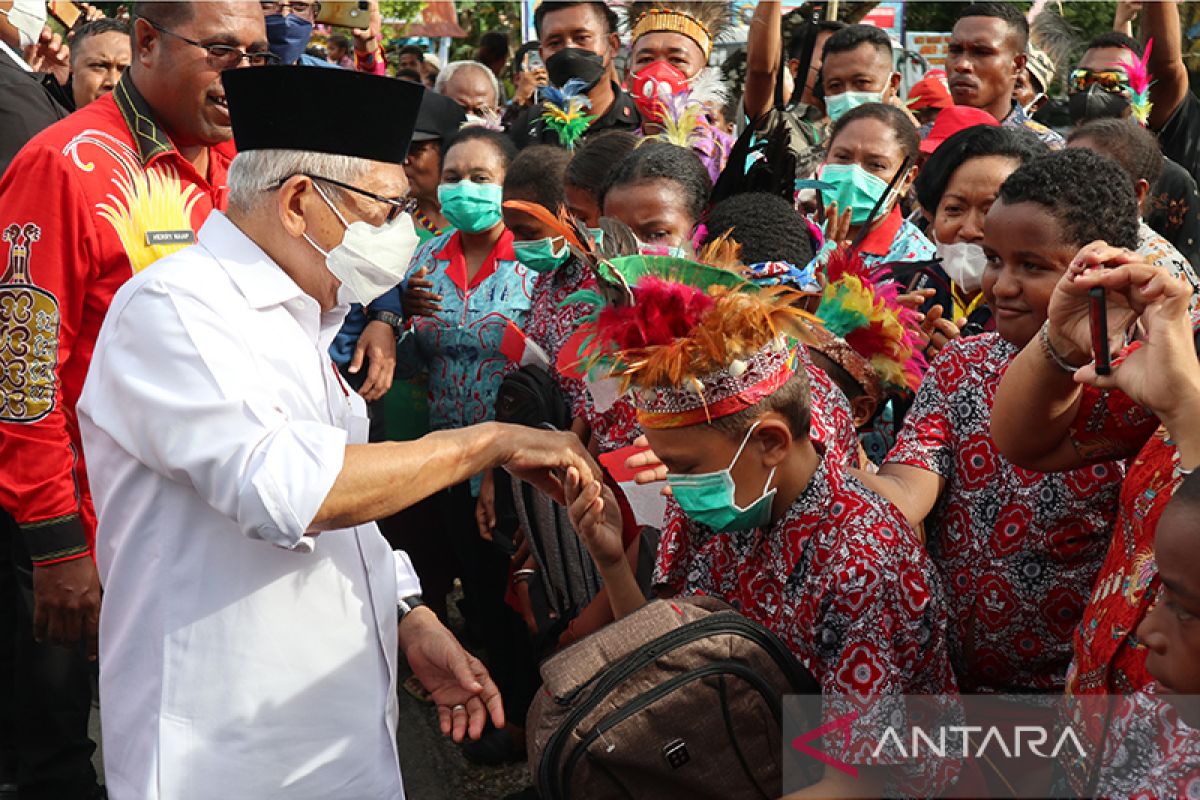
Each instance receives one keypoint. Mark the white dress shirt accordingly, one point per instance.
(239, 657)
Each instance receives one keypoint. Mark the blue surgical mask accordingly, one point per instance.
(711, 498)
(854, 188)
(839, 104)
(288, 35)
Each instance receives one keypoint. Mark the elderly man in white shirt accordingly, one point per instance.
(244, 655)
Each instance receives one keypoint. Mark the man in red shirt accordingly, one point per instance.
(84, 205)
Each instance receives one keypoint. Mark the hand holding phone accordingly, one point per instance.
(1098, 317)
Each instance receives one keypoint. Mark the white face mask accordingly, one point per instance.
(964, 264)
(28, 17)
(370, 260)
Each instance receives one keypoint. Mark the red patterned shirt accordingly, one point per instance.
(832, 430)
(87, 203)
(1017, 550)
(551, 323)
(1108, 655)
(1149, 752)
(842, 580)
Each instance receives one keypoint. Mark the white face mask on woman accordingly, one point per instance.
(370, 260)
(964, 263)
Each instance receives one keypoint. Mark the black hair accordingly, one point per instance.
(591, 168)
(601, 9)
(167, 14)
(95, 27)
(408, 75)
(1090, 194)
(537, 174)
(1008, 12)
(894, 118)
(662, 161)
(493, 45)
(497, 139)
(518, 62)
(413, 50)
(766, 226)
(793, 401)
(338, 40)
(796, 45)
(975, 142)
(853, 36)
(1115, 39)
(1127, 143)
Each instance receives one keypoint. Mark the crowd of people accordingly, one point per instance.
(531, 339)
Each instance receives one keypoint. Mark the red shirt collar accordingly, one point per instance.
(879, 241)
(452, 251)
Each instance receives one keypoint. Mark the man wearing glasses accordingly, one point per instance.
(253, 612)
(87, 203)
(289, 27)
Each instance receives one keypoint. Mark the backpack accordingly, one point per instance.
(668, 702)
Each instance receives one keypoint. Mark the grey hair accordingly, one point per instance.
(254, 173)
(454, 66)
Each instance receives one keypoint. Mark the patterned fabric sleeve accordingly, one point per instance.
(1110, 425)
(674, 551)
(47, 278)
(928, 440)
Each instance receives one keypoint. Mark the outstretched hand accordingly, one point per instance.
(459, 683)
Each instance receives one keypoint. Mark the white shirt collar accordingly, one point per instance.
(263, 282)
(8, 51)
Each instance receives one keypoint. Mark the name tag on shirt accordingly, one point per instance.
(154, 238)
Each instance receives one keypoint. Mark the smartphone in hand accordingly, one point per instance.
(1098, 315)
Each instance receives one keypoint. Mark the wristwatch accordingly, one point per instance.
(391, 318)
(408, 604)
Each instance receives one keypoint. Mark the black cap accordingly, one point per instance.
(287, 108)
(439, 118)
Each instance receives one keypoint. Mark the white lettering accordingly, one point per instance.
(993, 733)
(1068, 733)
(1039, 731)
(890, 732)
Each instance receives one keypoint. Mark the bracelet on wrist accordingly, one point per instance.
(1051, 354)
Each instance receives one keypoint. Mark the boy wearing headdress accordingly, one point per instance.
(773, 525)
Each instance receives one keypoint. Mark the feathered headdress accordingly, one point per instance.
(1138, 70)
(564, 111)
(681, 118)
(860, 307)
(696, 342)
(702, 21)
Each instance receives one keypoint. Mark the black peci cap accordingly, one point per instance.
(287, 108)
(439, 118)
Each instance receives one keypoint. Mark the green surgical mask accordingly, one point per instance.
(853, 188)
(469, 206)
(597, 236)
(839, 104)
(540, 255)
(710, 498)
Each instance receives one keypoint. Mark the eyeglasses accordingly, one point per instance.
(306, 10)
(223, 56)
(396, 205)
(1110, 80)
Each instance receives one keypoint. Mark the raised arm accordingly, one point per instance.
(1160, 22)
(764, 51)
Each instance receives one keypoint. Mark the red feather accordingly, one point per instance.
(661, 313)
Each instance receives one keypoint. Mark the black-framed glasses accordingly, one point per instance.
(396, 205)
(223, 56)
(306, 10)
